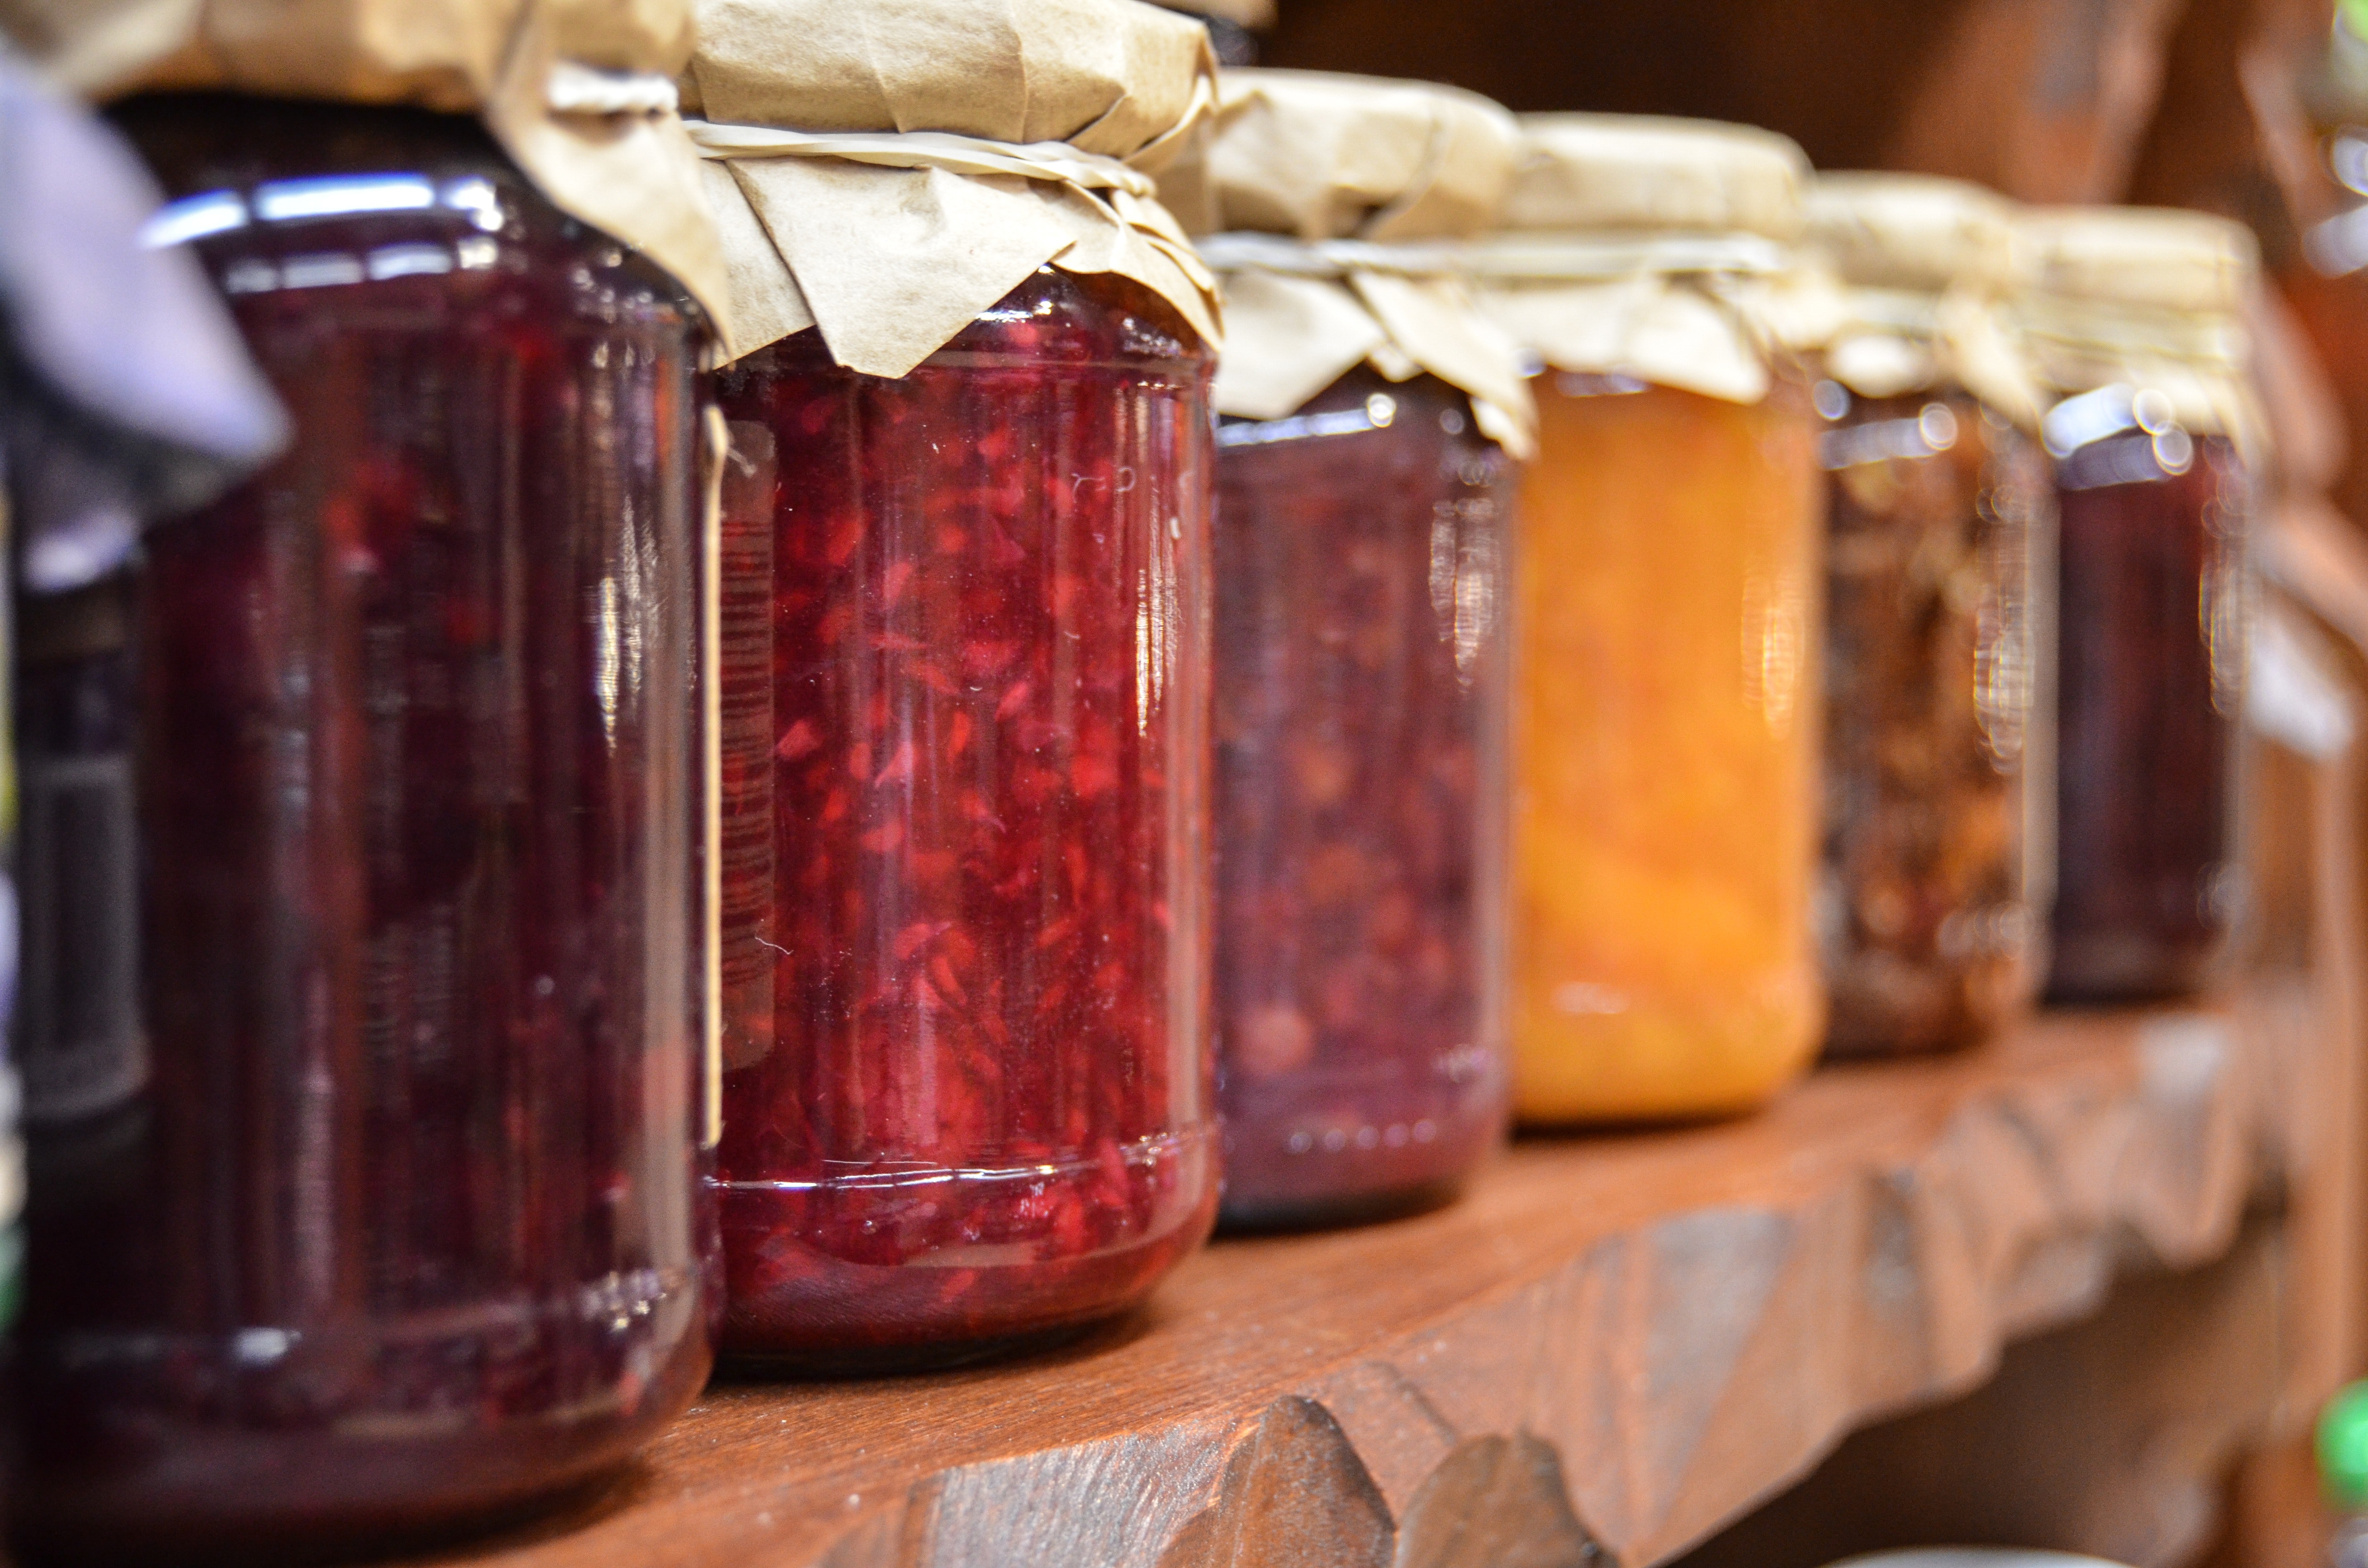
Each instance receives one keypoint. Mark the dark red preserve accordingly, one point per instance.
(375, 790)
(2149, 687)
(966, 658)
(1360, 713)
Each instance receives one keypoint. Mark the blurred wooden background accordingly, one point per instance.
(2145, 1432)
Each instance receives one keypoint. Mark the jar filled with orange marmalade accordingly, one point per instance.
(1666, 708)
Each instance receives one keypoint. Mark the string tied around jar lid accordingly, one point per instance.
(1054, 161)
(1405, 310)
(1241, 251)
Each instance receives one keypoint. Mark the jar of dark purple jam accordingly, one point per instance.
(1361, 800)
(965, 660)
(363, 809)
(2154, 619)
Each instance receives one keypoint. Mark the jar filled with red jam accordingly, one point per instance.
(2133, 321)
(1361, 709)
(363, 821)
(965, 681)
(966, 666)
(1371, 418)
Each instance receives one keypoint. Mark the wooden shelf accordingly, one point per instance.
(1627, 1339)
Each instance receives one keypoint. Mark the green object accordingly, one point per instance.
(2351, 16)
(2343, 1447)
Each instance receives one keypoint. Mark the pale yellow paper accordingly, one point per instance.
(632, 175)
(890, 263)
(1925, 265)
(1655, 249)
(2147, 297)
(1398, 165)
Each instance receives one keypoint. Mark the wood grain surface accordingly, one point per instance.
(2109, 1437)
(1613, 1347)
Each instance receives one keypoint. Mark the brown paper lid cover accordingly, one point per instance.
(2137, 258)
(1918, 231)
(576, 91)
(1640, 172)
(885, 170)
(1327, 203)
(1324, 156)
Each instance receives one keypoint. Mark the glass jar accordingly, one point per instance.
(1937, 616)
(1360, 711)
(1665, 840)
(2151, 683)
(967, 657)
(363, 810)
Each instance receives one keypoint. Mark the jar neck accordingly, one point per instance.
(199, 142)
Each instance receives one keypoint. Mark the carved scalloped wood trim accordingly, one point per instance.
(1610, 1349)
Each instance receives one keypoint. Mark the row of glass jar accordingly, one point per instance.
(466, 898)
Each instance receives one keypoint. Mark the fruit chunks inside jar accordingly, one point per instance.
(1361, 648)
(394, 1226)
(1934, 613)
(965, 655)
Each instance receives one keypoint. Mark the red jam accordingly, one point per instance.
(2152, 662)
(1360, 714)
(380, 1218)
(965, 683)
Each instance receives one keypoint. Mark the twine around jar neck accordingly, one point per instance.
(1577, 256)
(1245, 250)
(2209, 341)
(1053, 161)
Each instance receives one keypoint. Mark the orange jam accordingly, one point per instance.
(1666, 738)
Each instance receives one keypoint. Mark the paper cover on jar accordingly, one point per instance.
(1657, 248)
(579, 92)
(1329, 204)
(2149, 299)
(885, 170)
(1926, 267)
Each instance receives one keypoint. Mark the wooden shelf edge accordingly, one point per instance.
(1626, 1341)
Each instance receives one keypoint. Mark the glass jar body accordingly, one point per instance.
(362, 816)
(2155, 614)
(966, 651)
(1938, 784)
(1666, 738)
(1361, 796)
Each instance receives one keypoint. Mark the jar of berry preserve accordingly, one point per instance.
(1939, 793)
(1665, 710)
(966, 646)
(370, 798)
(1364, 501)
(2132, 323)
